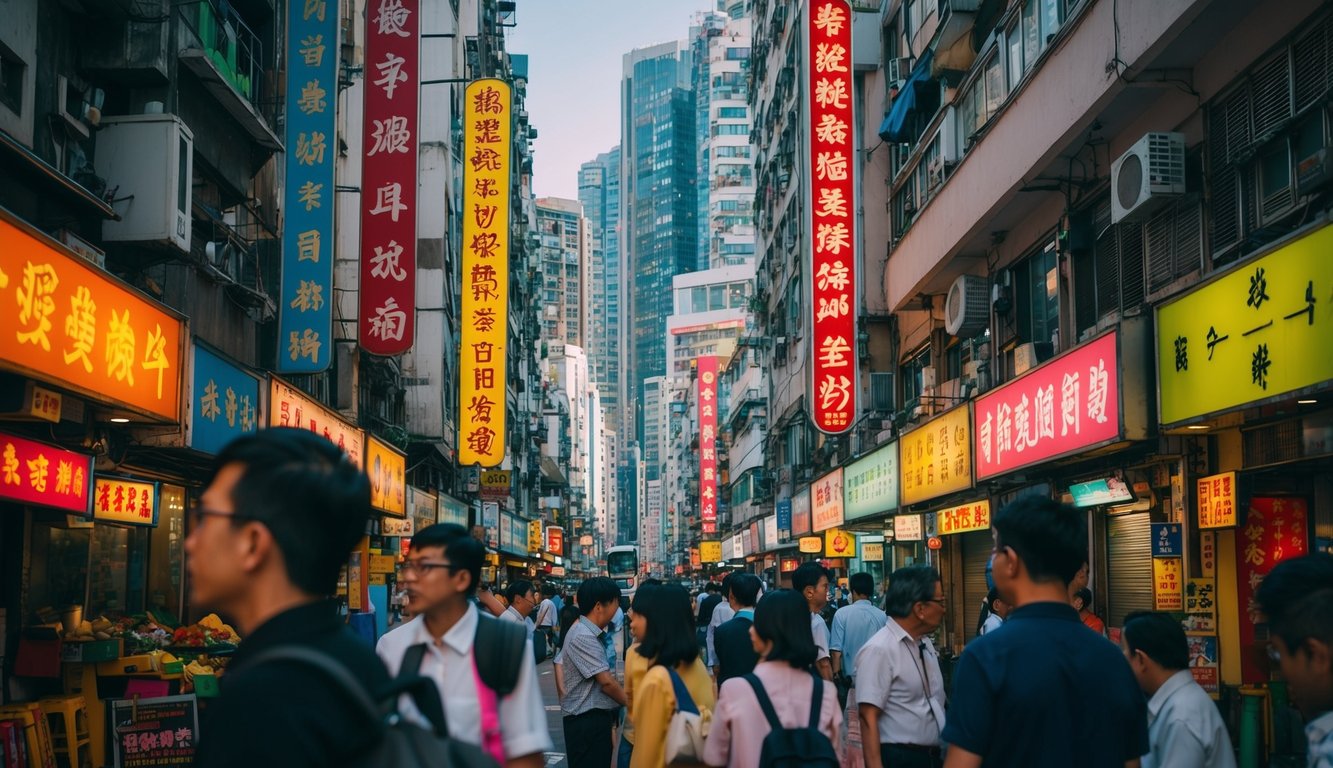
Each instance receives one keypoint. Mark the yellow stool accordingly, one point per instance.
(82, 679)
(38, 734)
(68, 717)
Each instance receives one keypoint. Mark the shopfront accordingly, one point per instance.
(870, 496)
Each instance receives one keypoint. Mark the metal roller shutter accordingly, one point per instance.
(1129, 556)
(976, 554)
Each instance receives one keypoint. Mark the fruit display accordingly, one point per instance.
(210, 633)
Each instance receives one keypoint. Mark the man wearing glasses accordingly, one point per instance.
(899, 688)
(439, 580)
(275, 525)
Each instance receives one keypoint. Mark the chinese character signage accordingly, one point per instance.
(1261, 330)
(770, 531)
(153, 732)
(908, 528)
(826, 501)
(42, 403)
(1207, 554)
(1168, 587)
(387, 468)
(784, 518)
(1276, 529)
(486, 170)
(872, 552)
(1217, 501)
(535, 537)
(800, 512)
(44, 475)
(963, 518)
(706, 368)
(710, 551)
(839, 543)
(832, 132)
(389, 177)
(1166, 540)
(1201, 605)
(495, 484)
(811, 545)
(305, 309)
(555, 539)
(936, 458)
(290, 407)
(737, 548)
(76, 325)
(870, 484)
(1064, 406)
(133, 502)
(224, 401)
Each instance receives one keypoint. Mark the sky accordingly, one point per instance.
(574, 50)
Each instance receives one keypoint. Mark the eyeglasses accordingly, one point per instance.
(933, 600)
(198, 514)
(416, 567)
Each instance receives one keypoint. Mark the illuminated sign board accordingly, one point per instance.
(535, 537)
(839, 543)
(224, 401)
(1217, 501)
(964, 518)
(290, 407)
(707, 405)
(710, 551)
(555, 539)
(44, 475)
(826, 501)
(870, 484)
(387, 468)
(936, 458)
(132, 502)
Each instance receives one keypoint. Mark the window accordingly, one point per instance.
(912, 376)
(731, 112)
(1037, 297)
(11, 80)
(738, 54)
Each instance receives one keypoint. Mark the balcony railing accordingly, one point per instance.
(224, 52)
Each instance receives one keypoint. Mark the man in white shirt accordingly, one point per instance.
(721, 615)
(439, 578)
(1184, 727)
(548, 614)
(899, 688)
(519, 595)
(811, 579)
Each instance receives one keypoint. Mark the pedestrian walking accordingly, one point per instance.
(994, 609)
(721, 614)
(734, 648)
(273, 529)
(1045, 692)
(811, 580)
(1184, 727)
(547, 617)
(636, 665)
(712, 598)
(593, 698)
(781, 685)
(853, 625)
(482, 667)
(899, 687)
(1296, 598)
(568, 615)
(519, 595)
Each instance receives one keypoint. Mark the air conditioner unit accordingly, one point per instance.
(157, 194)
(1149, 175)
(897, 70)
(967, 307)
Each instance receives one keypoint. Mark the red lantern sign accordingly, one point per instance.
(707, 370)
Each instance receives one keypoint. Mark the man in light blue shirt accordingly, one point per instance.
(1184, 727)
(854, 624)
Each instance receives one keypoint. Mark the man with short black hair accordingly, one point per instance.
(721, 615)
(1184, 727)
(853, 625)
(593, 697)
(735, 654)
(811, 580)
(1047, 692)
(522, 600)
(712, 599)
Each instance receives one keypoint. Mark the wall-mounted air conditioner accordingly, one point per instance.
(1149, 175)
(967, 307)
(155, 194)
(897, 70)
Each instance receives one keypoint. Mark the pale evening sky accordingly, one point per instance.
(574, 52)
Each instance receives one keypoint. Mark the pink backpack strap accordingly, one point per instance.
(491, 740)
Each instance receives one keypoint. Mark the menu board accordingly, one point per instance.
(154, 732)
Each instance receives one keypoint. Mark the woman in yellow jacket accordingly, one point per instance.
(663, 620)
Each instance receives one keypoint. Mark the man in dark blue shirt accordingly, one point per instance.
(1047, 691)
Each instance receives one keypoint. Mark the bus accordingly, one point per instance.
(622, 565)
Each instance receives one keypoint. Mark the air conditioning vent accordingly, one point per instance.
(967, 307)
(157, 196)
(1149, 175)
(881, 392)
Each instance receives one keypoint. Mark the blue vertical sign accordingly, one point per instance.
(305, 311)
(784, 519)
(1166, 540)
(224, 401)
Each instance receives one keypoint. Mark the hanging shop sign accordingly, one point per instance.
(535, 537)
(224, 401)
(424, 506)
(395, 527)
(811, 545)
(839, 543)
(1201, 605)
(290, 407)
(487, 166)
(44, 475)
(826, 501)
(710, 551)
(870, 484)
(1062, 407)
(1166, 540)
(936, 458)
(1207, 554)
(706, 369)
(555, 539)
(453, 511)
(1276, 529)
(490, 521)
(305, 309)
(789, 564)
(737, 550)
(1258, 332)
(118, 500)
(770, 529)
(934, 542)
(832, 159)
(784, 518)
(387, 467)
(389, 177)
(872, 552)
(908, 528)
(495, 484)
(76, 325)
(1217, 501)
(41, 403)
(1168, 585)
(964, 518)
(800, 512)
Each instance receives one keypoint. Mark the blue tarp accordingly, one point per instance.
(895, 127)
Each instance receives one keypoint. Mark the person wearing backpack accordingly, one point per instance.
(481, 666)
(781, 715)
(274, 526)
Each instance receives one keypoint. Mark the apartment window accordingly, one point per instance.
(982, 99)
(912, 374)
(724, 113)
(1037, 296)
(11, 80)
(738, 54)
(1014, 42)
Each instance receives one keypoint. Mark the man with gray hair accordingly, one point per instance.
(899, 688)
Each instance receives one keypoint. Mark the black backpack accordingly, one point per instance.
(784, 747)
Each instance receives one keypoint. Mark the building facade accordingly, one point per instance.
(565, 255)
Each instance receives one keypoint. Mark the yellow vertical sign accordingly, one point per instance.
(535, 536)
(487, 117)
(710, 551)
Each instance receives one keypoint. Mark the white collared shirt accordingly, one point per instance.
(449, 664)
(1319, 734)
(819, 631)
(1185, 729)
(890, 675)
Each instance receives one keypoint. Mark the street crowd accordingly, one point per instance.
(735, 676)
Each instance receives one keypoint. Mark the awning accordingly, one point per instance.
(895, 127)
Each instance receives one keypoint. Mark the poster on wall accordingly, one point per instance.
(152, 732)
(1201, 606)
(1167, 585)
(1203, 662)
(1276, 529)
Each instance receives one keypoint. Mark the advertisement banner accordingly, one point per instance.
(387, 468)
(44, 475)
(770, 532)
(224, 401)
(453, 511)
(706, 367)
(398, 528)
(130, 502)
(695, 561)
(1168, 592)
(1062, 407)
(908, 528)
(737, 547)
(490, 520)
(290, 407)
(811, 545)
(1201, 606)
(784, 518)
(495, 484)
(872, 552)
(870, 484)
(832, 171)
(1217, 501)
(305, 308)
(800, 512)
(1257, 332)
(839, 543)
(936, 458)
(1276, 529)
(826, 501)
(388, 295)
(536, 537)
(76, 325)
(154, 732)
(1166, 540)
(425, 507)
(964, 518)
(710, 551)
(555, 539)
(1203, 663)
(487, 119)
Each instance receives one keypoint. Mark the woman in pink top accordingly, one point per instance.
(782, 638)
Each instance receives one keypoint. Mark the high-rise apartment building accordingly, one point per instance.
(599, 191)
(563, 249)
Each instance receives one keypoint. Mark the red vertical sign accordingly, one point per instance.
(1276, 529)
(389, 177)
(707, 370)
(832, 226)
